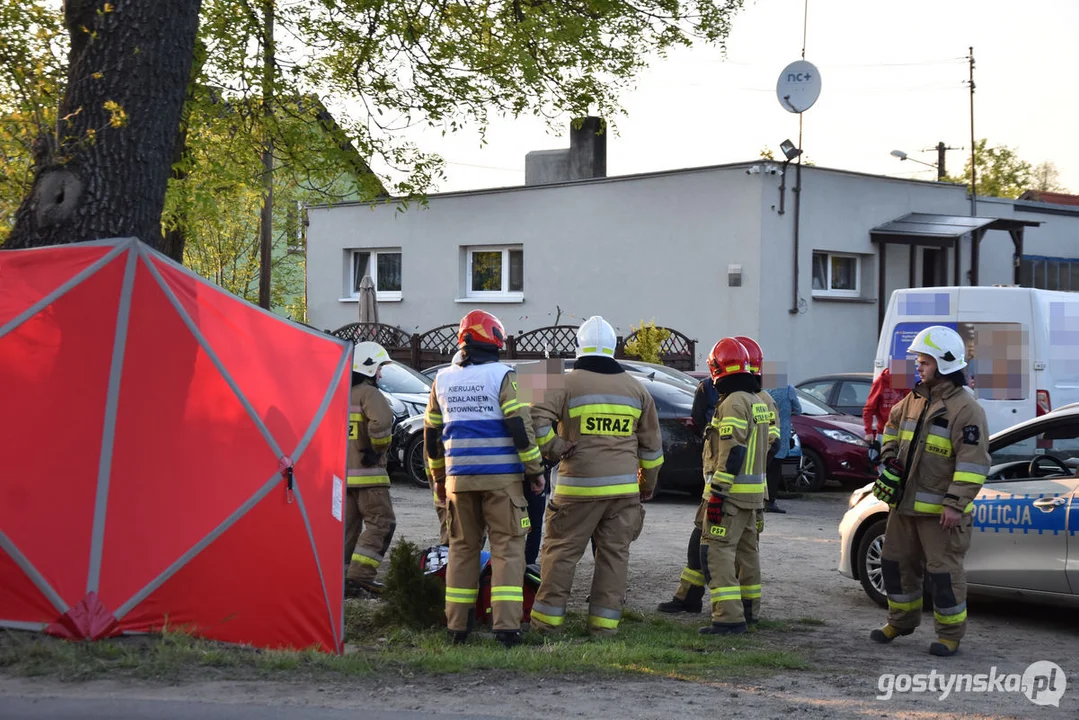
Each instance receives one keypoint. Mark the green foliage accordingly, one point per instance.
(767, 154)
(1000, 171)
(648, 342)
(412, 599)
(32, 49)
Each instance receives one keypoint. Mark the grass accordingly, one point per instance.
(403, 634)
(645, 645)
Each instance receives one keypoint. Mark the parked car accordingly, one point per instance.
(833, 447)
(846, 392)
(1025, 516)
(407, 392)
(681, 471)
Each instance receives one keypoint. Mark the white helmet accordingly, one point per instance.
(944, 344)
(368, 357)
(596, 337)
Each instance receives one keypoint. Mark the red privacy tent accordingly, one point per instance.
(172, 455)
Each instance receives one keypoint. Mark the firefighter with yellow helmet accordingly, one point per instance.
(369, 517)
(935, 458)
(610, 447)
(479, 445)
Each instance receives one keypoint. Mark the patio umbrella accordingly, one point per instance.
(368, 307)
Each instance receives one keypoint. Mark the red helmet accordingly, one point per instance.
(728, 357)
(480, 326)
(756, 355)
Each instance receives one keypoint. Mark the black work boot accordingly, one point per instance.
(509, 638)
(357, 588)
(723, 629)
(458, 637)
(691, 604)
(773, 508)
(747, 610)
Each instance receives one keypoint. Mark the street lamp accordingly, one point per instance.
(903, 156)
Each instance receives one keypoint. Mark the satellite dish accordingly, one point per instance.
(798, 87)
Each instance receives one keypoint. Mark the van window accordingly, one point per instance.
(998, 355)
(998, 359)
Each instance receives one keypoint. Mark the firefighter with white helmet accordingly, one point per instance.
(610, 450)
(369, 517)
(935, 457)
(479, 445)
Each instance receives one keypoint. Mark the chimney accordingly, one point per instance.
(586, 157)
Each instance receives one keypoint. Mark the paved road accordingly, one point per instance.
(16, 708)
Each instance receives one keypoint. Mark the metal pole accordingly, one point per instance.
(940, 160)
(973, 173)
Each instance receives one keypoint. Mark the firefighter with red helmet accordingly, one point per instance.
(737, 456)
(480, 447)
(369, 517)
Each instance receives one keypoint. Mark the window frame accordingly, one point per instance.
(829, 292)
(504, 292)
(373, 253)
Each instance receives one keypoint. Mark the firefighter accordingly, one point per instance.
(611, 449)
(737, 488)
(440, 503)
(747, 561)
(934, 460)
(479, 444)
(369, 521)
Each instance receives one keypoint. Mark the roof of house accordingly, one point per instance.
(1057, 198)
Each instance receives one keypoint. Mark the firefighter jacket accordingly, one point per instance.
(477, 435)
(612, 418)
(370, 424)
(745, 426)
(939, 436)
(882, 398)
(713, 443)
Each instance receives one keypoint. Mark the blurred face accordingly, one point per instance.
(927, 368)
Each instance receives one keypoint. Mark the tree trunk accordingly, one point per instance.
(266, 219)
(106, 172)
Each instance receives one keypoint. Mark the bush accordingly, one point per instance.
(647, 343)
(412, 598)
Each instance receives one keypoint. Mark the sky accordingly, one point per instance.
(893, 77)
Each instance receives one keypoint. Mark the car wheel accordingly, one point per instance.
(870, 551)
(811, 475)
(414, 461)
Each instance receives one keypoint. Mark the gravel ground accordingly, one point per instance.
(799, 552)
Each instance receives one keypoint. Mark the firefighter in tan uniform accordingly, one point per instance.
(935, 458)
(611, 450)
(737, 488)
(690, 591)
(479, 444)
(747, 561)
(369, 518)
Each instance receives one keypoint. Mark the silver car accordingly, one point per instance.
(1026, 519)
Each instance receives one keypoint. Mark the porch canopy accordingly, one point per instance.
(943, 231)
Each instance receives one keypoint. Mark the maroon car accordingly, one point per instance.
(833, 447)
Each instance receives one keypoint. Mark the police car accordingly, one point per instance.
(1026, 518)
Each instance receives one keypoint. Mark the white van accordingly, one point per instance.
(1022, 344)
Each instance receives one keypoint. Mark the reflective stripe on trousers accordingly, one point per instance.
(596, 486)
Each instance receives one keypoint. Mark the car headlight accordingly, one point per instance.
(844, 437)
(857, 495)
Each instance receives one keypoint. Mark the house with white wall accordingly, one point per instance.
(789, 255)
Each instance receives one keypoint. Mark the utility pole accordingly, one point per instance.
(941, 149)
(973, 145)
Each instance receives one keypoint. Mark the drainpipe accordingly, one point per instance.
(797, 190)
